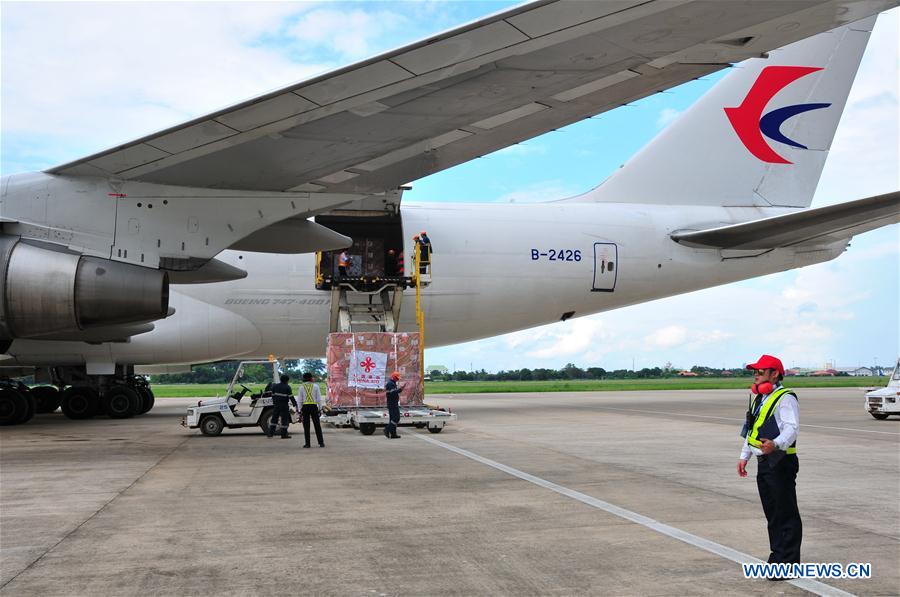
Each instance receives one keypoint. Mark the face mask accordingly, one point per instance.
(763, 388)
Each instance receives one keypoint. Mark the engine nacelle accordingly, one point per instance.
(44, 292)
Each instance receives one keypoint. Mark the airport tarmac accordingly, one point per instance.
(626, 493)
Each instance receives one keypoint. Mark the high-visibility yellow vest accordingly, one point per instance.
(768, 410)
(308, 399)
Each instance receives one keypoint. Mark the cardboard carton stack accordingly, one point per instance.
(359, 365)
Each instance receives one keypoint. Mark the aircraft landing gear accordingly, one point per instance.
(118, 396)
(17, 405)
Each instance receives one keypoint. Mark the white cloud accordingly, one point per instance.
(666, 117)
(97, 75)
(668, 336)
(350, 33)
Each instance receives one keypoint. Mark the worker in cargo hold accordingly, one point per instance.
(282, 395)
(312, 404)
(394, 266)
(393, 389)
(770, 434)
(343, 263)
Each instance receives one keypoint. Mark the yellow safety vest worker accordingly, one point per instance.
(308, 399)
(767, 410)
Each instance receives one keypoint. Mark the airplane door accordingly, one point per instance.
(606, 267)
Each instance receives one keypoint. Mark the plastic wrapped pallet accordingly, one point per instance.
(359, 365)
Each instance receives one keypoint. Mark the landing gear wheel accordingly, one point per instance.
(79, 402)
(30, 407)
(13, 406)
(120, 402)
(147, 399)
(435, 429)
(47, 398)
(211, 425)
(879, 416)
(265, 419)
(367, 428)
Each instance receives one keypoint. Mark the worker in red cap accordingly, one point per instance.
(393, 389)
(770, 434)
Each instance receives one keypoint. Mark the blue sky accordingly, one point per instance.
(81, 77)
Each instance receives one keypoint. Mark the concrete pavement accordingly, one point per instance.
(105, 507)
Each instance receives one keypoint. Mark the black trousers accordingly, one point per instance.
(393, 417)
(778, 494)
(311, 411)
(280, 413)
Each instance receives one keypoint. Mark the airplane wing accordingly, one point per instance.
(376, 124)
(820, 225)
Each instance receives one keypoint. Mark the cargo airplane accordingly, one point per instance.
(198, 243)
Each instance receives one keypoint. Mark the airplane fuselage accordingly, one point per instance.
(496, 269)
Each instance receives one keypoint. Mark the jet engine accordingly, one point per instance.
(46, 292)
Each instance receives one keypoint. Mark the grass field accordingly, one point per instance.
(586, 385)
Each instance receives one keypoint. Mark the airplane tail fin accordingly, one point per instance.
(759, 137)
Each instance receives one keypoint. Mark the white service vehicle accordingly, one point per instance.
(885, 402)
(214, 415)
(367, 419)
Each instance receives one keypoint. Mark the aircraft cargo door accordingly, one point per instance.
(606, 266)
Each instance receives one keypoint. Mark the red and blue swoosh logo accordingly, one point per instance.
(751, 124)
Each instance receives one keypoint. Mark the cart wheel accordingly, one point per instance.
(265, 419)
(879, 416)
(367, 428)
(211, 425)
(435, 429)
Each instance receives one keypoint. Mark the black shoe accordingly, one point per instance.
(306, 446)
(395, 436)
(286, 436)
(321, 445)
(386, 432)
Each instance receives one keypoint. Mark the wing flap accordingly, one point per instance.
(573, 59)
(811, 226)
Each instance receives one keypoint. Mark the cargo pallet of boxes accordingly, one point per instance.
(359, 364)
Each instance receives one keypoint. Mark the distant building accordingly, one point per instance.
(727, 372)
(687, 373)
(823, 373)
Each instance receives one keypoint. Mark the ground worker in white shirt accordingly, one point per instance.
(773, 421)
(311, 403)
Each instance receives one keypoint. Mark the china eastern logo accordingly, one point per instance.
(751, 124)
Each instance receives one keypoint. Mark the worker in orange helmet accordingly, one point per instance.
(393, 389)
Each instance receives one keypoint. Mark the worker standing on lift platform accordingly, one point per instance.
(424, 252)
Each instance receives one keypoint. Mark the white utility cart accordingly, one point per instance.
(213, 415)
(368, 419)
(885, 402)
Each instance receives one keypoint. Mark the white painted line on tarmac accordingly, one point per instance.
(660, 412)
(813, 586)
